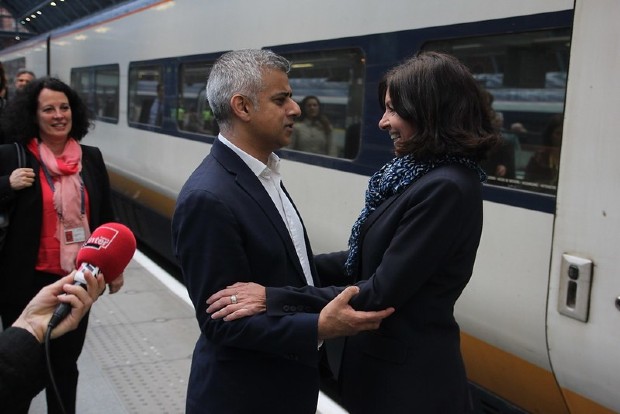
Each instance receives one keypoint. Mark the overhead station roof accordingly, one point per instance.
(22, 19)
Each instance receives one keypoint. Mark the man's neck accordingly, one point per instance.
(249, 146)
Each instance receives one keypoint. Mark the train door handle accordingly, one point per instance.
(575, 284)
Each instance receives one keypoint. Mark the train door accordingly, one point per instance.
(583, 315)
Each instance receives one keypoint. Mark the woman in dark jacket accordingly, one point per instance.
(58, 200)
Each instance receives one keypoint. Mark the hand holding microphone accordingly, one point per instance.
(36, 315)
(108, 250)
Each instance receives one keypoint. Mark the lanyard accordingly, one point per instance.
(50, 181)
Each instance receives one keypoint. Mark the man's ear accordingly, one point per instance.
(241, 106)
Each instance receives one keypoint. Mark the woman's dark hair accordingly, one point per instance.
(554, 122)
(326, 126)
(445, 104)
(19, 119)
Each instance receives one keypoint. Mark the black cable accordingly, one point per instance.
(50, 371)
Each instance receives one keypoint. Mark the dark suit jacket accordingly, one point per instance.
(227, 229)
(19, 255)
(417, 254)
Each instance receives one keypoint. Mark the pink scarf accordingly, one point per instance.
(68, 196)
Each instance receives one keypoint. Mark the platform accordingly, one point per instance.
(137, 355)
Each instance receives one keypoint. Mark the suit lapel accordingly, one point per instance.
(370, 220)
(374, 216)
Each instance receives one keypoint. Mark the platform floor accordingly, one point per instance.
(138, 348)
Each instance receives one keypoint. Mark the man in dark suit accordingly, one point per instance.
(235, 222)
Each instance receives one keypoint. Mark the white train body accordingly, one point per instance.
(532, 335)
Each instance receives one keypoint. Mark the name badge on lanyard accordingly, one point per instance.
(75, 235)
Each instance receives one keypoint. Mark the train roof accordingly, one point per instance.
(22, 19)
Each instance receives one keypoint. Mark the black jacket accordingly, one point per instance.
(22, 369)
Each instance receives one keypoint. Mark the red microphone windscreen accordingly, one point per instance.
(110, 247)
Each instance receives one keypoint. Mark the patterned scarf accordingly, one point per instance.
(393, 178)
(65, 172)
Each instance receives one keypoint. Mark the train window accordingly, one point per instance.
(146, 95)
(98, 87)
(329, 86)
(525, 75)
(81, 82)
(193, 113)
(106, 93)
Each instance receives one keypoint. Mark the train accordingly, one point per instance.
(540, 318)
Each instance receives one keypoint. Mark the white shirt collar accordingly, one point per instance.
(257, 166)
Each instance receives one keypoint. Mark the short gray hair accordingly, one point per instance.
(239, 72)
(23, 71)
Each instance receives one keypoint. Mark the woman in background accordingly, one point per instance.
(544, 165)
(62, 195)
(312, 131)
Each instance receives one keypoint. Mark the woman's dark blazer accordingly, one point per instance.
(18, 258)
(417, 254)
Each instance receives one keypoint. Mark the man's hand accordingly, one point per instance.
(237, 301)
(38, 312)
(338, 318)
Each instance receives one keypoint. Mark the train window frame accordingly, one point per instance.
(101, 98)
(325, 70)
(151, 75)
(515, 69)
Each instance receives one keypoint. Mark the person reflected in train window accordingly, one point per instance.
(544, 164)
(22, 78)
(234, 221)
(413, 246)
(192, 121)
(209, 124)
(58, 199)
(312, 131)
(157, 107)
(518, 128)
(500, 162)
(22, 360)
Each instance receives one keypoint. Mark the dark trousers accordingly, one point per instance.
(64, 352)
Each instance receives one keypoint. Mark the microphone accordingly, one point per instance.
(108, 250)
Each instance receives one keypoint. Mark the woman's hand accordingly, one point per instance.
(116, 284)
(21, 178)
(237, 301)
